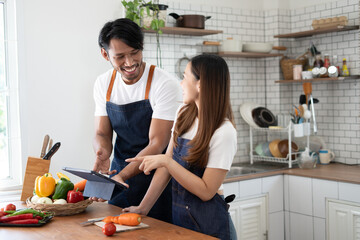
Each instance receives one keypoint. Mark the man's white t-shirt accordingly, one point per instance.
(222, 146)
(165, 93)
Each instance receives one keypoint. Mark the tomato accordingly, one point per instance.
(10, 207)
(109, 229)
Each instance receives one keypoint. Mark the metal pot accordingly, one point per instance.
(190, 21)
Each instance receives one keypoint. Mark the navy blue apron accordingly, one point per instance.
(131, 122)
(189, 211)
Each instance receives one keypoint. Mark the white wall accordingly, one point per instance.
(59, 60)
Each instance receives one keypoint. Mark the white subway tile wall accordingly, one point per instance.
(253, 79)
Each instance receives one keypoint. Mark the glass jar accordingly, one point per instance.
(318, 61)
(326, 61)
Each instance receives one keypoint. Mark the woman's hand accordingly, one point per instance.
(148, 163)
(135, 209)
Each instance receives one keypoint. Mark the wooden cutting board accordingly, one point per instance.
(123, 228)
(34, 167)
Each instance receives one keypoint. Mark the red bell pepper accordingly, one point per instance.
(74, 196)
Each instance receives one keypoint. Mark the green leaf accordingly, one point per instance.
(161, 23)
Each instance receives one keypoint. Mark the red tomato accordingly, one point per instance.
(10, 207)
(109, 229)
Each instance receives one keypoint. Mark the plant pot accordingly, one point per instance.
(147, 19)
(190, 21)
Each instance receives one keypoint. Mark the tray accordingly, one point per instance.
(43, 222)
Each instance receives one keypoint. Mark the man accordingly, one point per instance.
(138, 102)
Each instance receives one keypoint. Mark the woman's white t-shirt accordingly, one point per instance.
(165, 92)
(222, 146)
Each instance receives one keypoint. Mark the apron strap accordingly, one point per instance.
(148, 84)
(108, 94)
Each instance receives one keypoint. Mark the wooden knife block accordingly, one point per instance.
(34, 167)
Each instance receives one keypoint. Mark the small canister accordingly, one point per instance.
(297, 69)
(306, 75)
(333, 71)
(323, 72)
(315, 72)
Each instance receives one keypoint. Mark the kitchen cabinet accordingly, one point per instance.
(257, 202)
(250, 218)
(343, 220)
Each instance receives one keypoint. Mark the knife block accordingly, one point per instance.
(34, 167)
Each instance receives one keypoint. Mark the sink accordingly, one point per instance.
(247, 168)
(237, 171)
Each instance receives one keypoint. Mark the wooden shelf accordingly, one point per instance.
(317, 31)
(185, 31)
(248, 54)
(319, 79)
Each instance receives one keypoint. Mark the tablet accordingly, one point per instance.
(93, 176)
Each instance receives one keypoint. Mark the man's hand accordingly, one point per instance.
(102, 162)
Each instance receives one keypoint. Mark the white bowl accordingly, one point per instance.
(257, 47)
(230, 45)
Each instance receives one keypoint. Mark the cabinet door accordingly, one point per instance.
(250, 218)
(343, 221)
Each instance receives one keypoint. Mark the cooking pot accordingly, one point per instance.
(190, 21)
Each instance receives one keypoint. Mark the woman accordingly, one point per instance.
(200, 152)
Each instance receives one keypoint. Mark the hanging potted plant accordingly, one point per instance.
(148, 15)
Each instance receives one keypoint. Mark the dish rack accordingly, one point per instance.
(291, 157)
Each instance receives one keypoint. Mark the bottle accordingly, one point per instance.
(345, 70)
(318, 61)
(326, 61)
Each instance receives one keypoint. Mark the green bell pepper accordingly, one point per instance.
(61, 189)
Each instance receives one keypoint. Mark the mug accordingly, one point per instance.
(298, 130)
(326, 156)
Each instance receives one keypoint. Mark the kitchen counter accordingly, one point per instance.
(68, 227)
(334, 171)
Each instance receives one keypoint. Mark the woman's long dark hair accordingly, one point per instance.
(214, 106)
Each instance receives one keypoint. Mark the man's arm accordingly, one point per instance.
(102, 144)
(159, 137)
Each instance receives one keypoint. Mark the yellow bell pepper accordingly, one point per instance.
(44, 185)
(61, 175)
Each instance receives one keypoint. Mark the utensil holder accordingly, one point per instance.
(34, 167)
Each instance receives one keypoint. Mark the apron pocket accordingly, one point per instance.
(193, 220)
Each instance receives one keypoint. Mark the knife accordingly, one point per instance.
(45, 143)
(94, 220)
(52, 151)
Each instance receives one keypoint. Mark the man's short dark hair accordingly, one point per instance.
(123, 29)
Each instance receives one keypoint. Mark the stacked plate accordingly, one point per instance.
(257, 116)
(246, 113)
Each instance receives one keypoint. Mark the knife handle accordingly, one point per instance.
(45, 143)
(52, 151)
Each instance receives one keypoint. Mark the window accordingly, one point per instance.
(10, 148)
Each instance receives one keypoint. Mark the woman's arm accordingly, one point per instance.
(158, 183)
(204, 188)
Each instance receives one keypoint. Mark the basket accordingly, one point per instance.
(60, 209)
(287, 66)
